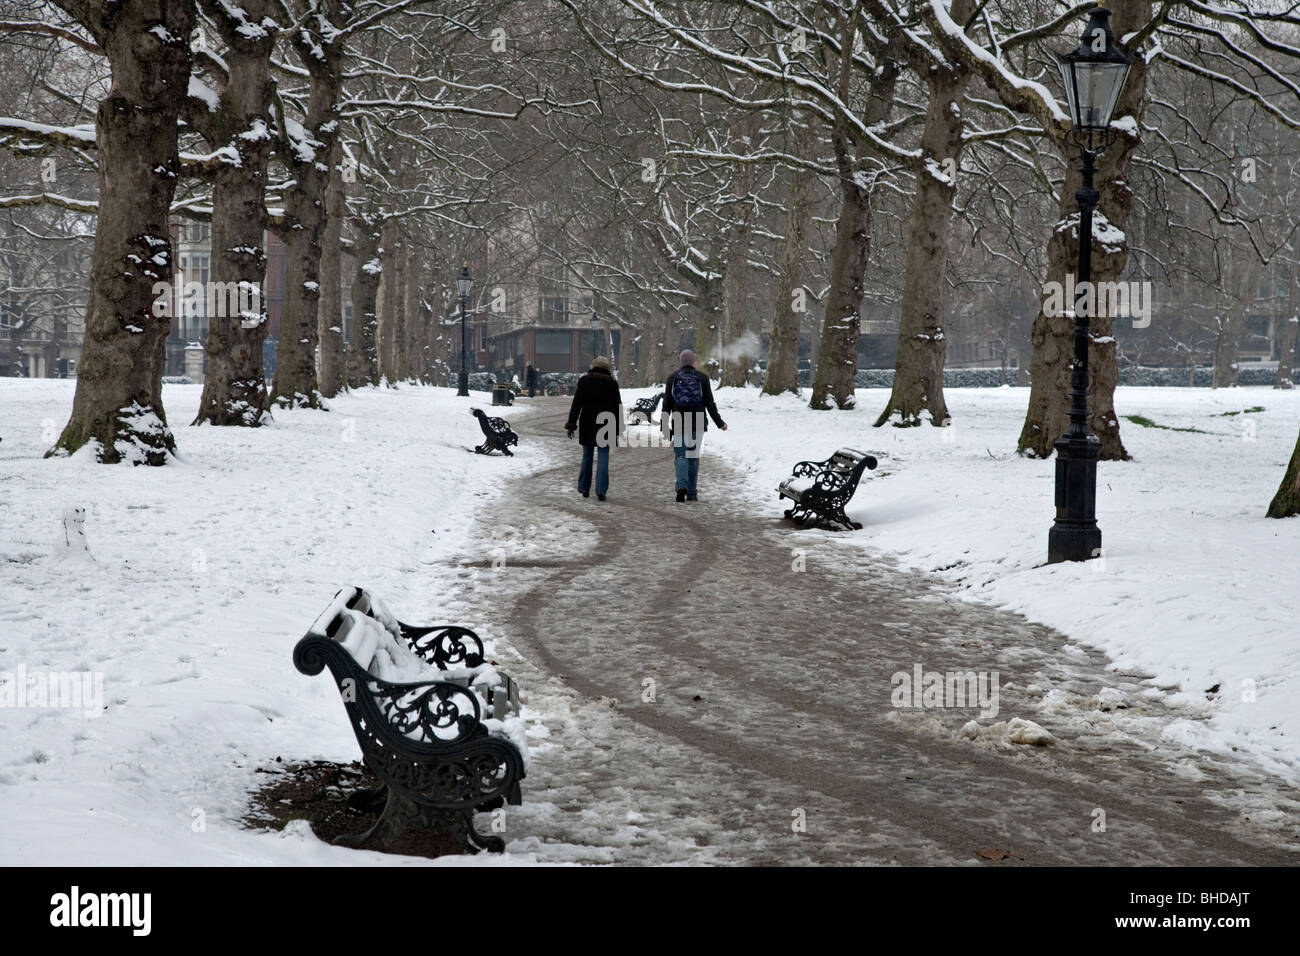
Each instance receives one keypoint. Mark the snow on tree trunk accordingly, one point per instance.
(922, 346)
(234, 386)
(363, 355)
(1286, 361)
(783, 345)
(329, 320)
(118, 400)
(1287, 500)
(308, 147)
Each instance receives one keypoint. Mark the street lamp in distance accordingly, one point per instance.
(464, 285)
(1094, 75)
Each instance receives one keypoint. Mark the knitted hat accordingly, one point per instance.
(601, 362)
(686, 358)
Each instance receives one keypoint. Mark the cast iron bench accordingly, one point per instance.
(496, 432)
(435, 737)
(821, 489)
(645, 407)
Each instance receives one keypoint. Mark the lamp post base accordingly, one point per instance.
(463, 390)
(1075, 535)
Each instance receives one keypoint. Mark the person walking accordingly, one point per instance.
(688, 394)
(530, 379)
(597, 416)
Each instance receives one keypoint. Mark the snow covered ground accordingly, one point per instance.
(1195, 586)
(205, 574)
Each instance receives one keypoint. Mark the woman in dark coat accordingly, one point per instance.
(597, 416)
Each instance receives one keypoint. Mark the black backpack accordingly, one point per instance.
(687, 391)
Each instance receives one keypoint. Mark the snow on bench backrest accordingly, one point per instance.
(375, 642)
(320, 626)
(378, 653)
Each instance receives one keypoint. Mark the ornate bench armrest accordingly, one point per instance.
(431, 712)
(808, 469)
(444, 645)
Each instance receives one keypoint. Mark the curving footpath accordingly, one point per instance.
(709, 703)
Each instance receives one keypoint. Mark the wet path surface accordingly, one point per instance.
(717, 688)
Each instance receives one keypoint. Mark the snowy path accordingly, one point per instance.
(771, 698)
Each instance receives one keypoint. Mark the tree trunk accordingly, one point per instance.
(629, 361)
(388, 308)
(837, 364)
(1227, 346)
(363, 354)
(234, 387)
(660, 346)
(413, 351)
(783, 345)
(1286, 360)
(838, 356)
(710, 293)
(740, 343)
(118, 400)
(399, 319)
(1287, 500)
(740, 340)
(922, 347)
(321, 52)
(1053, 336)
(329, 320)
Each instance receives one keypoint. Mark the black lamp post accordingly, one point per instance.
(1094, 76)
(464, 285)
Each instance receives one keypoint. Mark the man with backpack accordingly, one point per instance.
(688, 394)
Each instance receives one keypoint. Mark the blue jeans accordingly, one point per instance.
(686, 460)
(601, 456)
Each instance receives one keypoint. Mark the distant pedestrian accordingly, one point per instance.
(530, 377)
(688, 394)
(597, 416)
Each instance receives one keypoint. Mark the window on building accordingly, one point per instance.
(553, 343)
(10, 311)
(553, 306)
